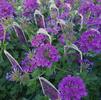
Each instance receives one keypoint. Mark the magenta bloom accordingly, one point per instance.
(90, 11)
(38, 40)
(52, 27)
(6, 9)
(29, 7)
(58, 3)
(70, 1)
(28, 64)
(46, 55)
(90, 41)
(1, 32)
(62, 39)
(30, 4)
(72, 88)
(94, 21)
(64, 11)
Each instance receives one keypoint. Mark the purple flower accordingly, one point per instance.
(64, 11)
(95, 24)
(94, 21)
(90, 41)
(72, 88)
(29, 6)
(1, 32)
(70, 1)
(62, 39)
(6, 9)
(64, 8)
(53, 31)
(85, 10)
(38, 40)
(28, 64)
(58, 3)
(46, 55)
(96, 10)
(52, 27)
(90, 11)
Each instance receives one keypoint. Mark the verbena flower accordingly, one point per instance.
(64, 8)
(90, 41)
(58, 3)
(94, 21)
(38, 40)
(28, 64)
(85, 10)
(46, 55)
(70, 1)
(90, 11)
(52, 27)
(6, 9)
(95, 17)
(72, 88)
(1, 32)
(29, 6)
(96, 10)
(62, 39)
(64, 11)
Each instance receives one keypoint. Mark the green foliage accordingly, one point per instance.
(29, 88)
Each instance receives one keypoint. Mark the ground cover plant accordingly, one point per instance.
(50, 49)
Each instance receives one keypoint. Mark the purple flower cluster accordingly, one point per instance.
(90, 41)
(60, 3)
(62, 39)
(72, 88)
(29, 6)
(93, 21)
(28, 64)
(38, 40)
(45, 55)
(52, 27)
(91, 12)
(64, 8)
(1, 32)
(70, 1)
(6, 9)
